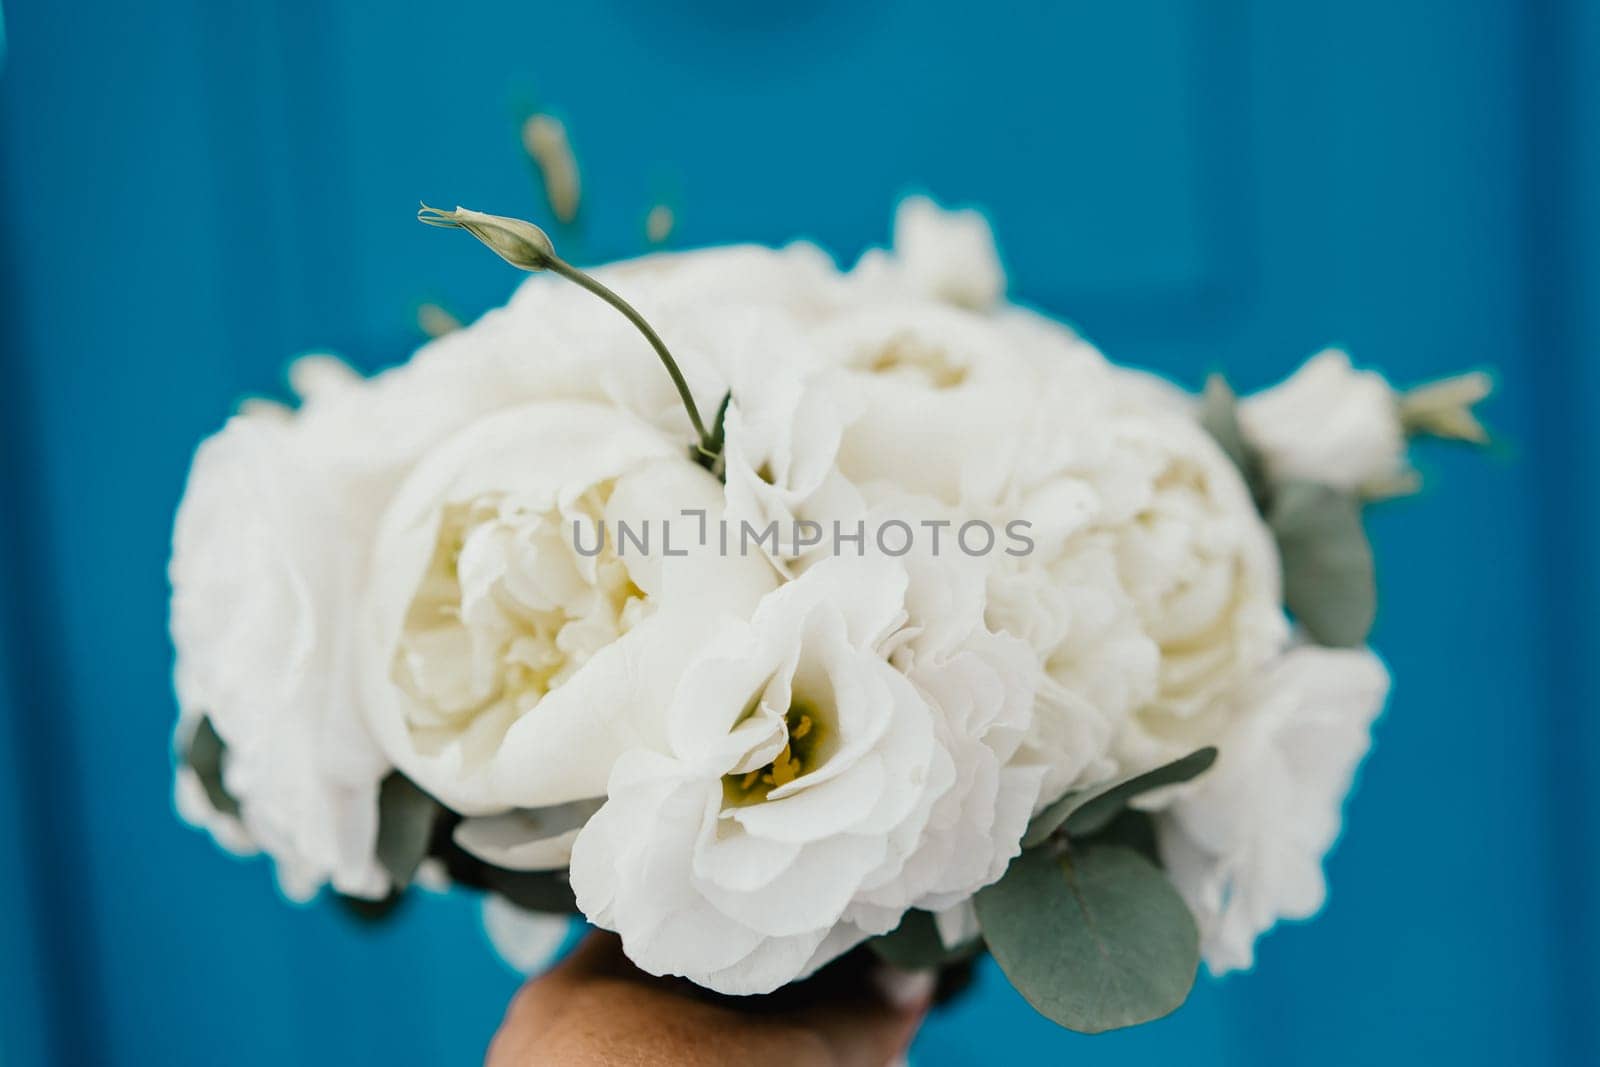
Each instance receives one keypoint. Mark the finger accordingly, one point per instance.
(597, 955)
(543, 996)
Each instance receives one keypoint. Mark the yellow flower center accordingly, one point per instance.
(800, 754)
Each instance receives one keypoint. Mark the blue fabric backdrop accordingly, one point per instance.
(193, 191)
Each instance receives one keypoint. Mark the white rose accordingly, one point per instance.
(1329, 423)
(264, 574)
(1152, 585)
(509, 654)
(1245, 845)
(827, 767)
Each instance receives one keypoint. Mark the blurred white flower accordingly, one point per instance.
(264, 578)
(1328, 423)
(1245, 845)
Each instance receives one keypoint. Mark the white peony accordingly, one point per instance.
(1152, 584)
(1328, 423)
(272, 547)
(511, 642)
(1204, 576)
(1245, 845)
(828, 764)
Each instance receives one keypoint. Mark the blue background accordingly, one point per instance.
(193, 191)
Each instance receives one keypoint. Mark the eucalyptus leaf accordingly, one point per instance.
(545, 891)
(1095, 812)
(1095, 939)
(1051, 819)
(370, 911)
(406, 816)
(1219, 415)
(915, 944)
(1083, 813)
(526, 839)
(1133, 829)
(204, 757)
(1328, 580)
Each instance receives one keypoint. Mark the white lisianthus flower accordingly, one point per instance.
(1328, 423)
(511, 651)
(828, 765)
(1245, 844)
(785, 423)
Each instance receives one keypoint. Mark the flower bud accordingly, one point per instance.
(519, 243)
(544, 138)
(1444, 408)
(436, 321)
(658, 224)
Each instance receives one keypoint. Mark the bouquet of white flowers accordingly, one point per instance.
(893, 613)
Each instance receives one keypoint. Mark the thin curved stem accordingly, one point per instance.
(571, 273)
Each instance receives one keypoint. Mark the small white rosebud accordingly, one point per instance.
(544, 138)
(436, 321)
(658, 224)
(1327, 423)
(314, 376)
(519, 243)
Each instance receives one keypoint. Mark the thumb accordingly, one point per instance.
(871, 1030)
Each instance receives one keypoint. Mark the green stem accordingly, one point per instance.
(707, 446)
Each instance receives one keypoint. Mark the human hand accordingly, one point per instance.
(595, 1008)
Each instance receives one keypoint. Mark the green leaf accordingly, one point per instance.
(1083, 814)
(1328, 581)
(1051, 819)
(406, 816)
(370, 911)
(205, 756)
(915, 944)
(1220, 417)
(1096, 811)
(546, 891)
(1095, 939)
(1131, 829)
(719, 424)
